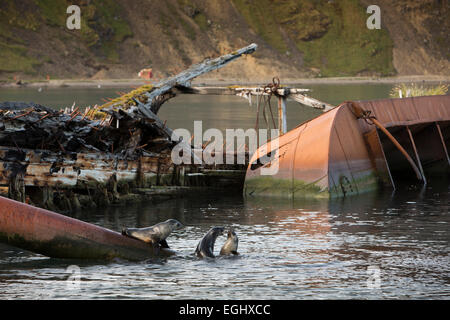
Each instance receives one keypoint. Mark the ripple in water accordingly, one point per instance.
(288, 250)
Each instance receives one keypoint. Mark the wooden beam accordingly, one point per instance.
(233, 90)
(282, 125)
(311, 102)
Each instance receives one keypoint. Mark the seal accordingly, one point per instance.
(156, 235)
(205, 247)
(230, 246)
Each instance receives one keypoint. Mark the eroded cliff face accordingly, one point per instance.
(296, 38)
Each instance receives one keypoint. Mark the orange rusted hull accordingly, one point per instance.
(337, 154)
(58, 236)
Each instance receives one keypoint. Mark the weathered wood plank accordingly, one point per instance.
(311, 102)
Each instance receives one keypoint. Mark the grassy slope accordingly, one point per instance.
(13, 52)
(103, 32)
(332, 35)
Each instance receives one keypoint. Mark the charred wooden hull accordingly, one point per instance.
(337, 154)
(58, 236)
(63, 162)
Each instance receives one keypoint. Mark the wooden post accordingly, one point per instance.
(282, 125)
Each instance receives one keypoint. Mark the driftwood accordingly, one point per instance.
(153, 96)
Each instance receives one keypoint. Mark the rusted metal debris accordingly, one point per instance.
(341, 153)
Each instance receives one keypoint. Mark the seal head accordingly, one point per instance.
(156, 235)
(205, 247)
(230, 246)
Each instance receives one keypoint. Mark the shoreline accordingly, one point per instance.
(117, 83)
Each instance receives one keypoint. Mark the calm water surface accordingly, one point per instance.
(376, 246)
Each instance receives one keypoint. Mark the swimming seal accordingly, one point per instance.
(156, 235)
(205, 247)
(230, 246)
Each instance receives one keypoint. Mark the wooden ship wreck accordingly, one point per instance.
(118, 152)
(115, 152)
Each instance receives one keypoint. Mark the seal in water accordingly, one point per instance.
(230, 246)
(205, 247)
(156, 234)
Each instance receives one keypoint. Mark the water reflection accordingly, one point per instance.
(288, 250)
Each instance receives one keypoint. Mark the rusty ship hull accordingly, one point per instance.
(338, 154)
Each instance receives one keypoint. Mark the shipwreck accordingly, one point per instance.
(355, 148)
(121, 152)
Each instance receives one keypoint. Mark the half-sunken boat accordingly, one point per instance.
(355, 148)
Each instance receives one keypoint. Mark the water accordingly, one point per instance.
(219, 112)
(375, 246)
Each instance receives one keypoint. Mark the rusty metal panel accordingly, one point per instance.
(281, 183)
(311, 163)
(433, 108)
(350, 167)
(377, 156)
(336, 138)
(407, 111)
(383, 110)
(303, 162)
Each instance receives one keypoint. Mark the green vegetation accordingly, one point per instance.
(190, 31)
(332, 36)
(201, 20)
(270, 186)
(415, 90)
(261, 17)
(98, 18)
(14, 58)
(193, 12)
(13, 53)
(127, 100)
(53, 11)
(12, 16)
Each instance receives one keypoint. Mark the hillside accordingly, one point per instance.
(296, 38)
